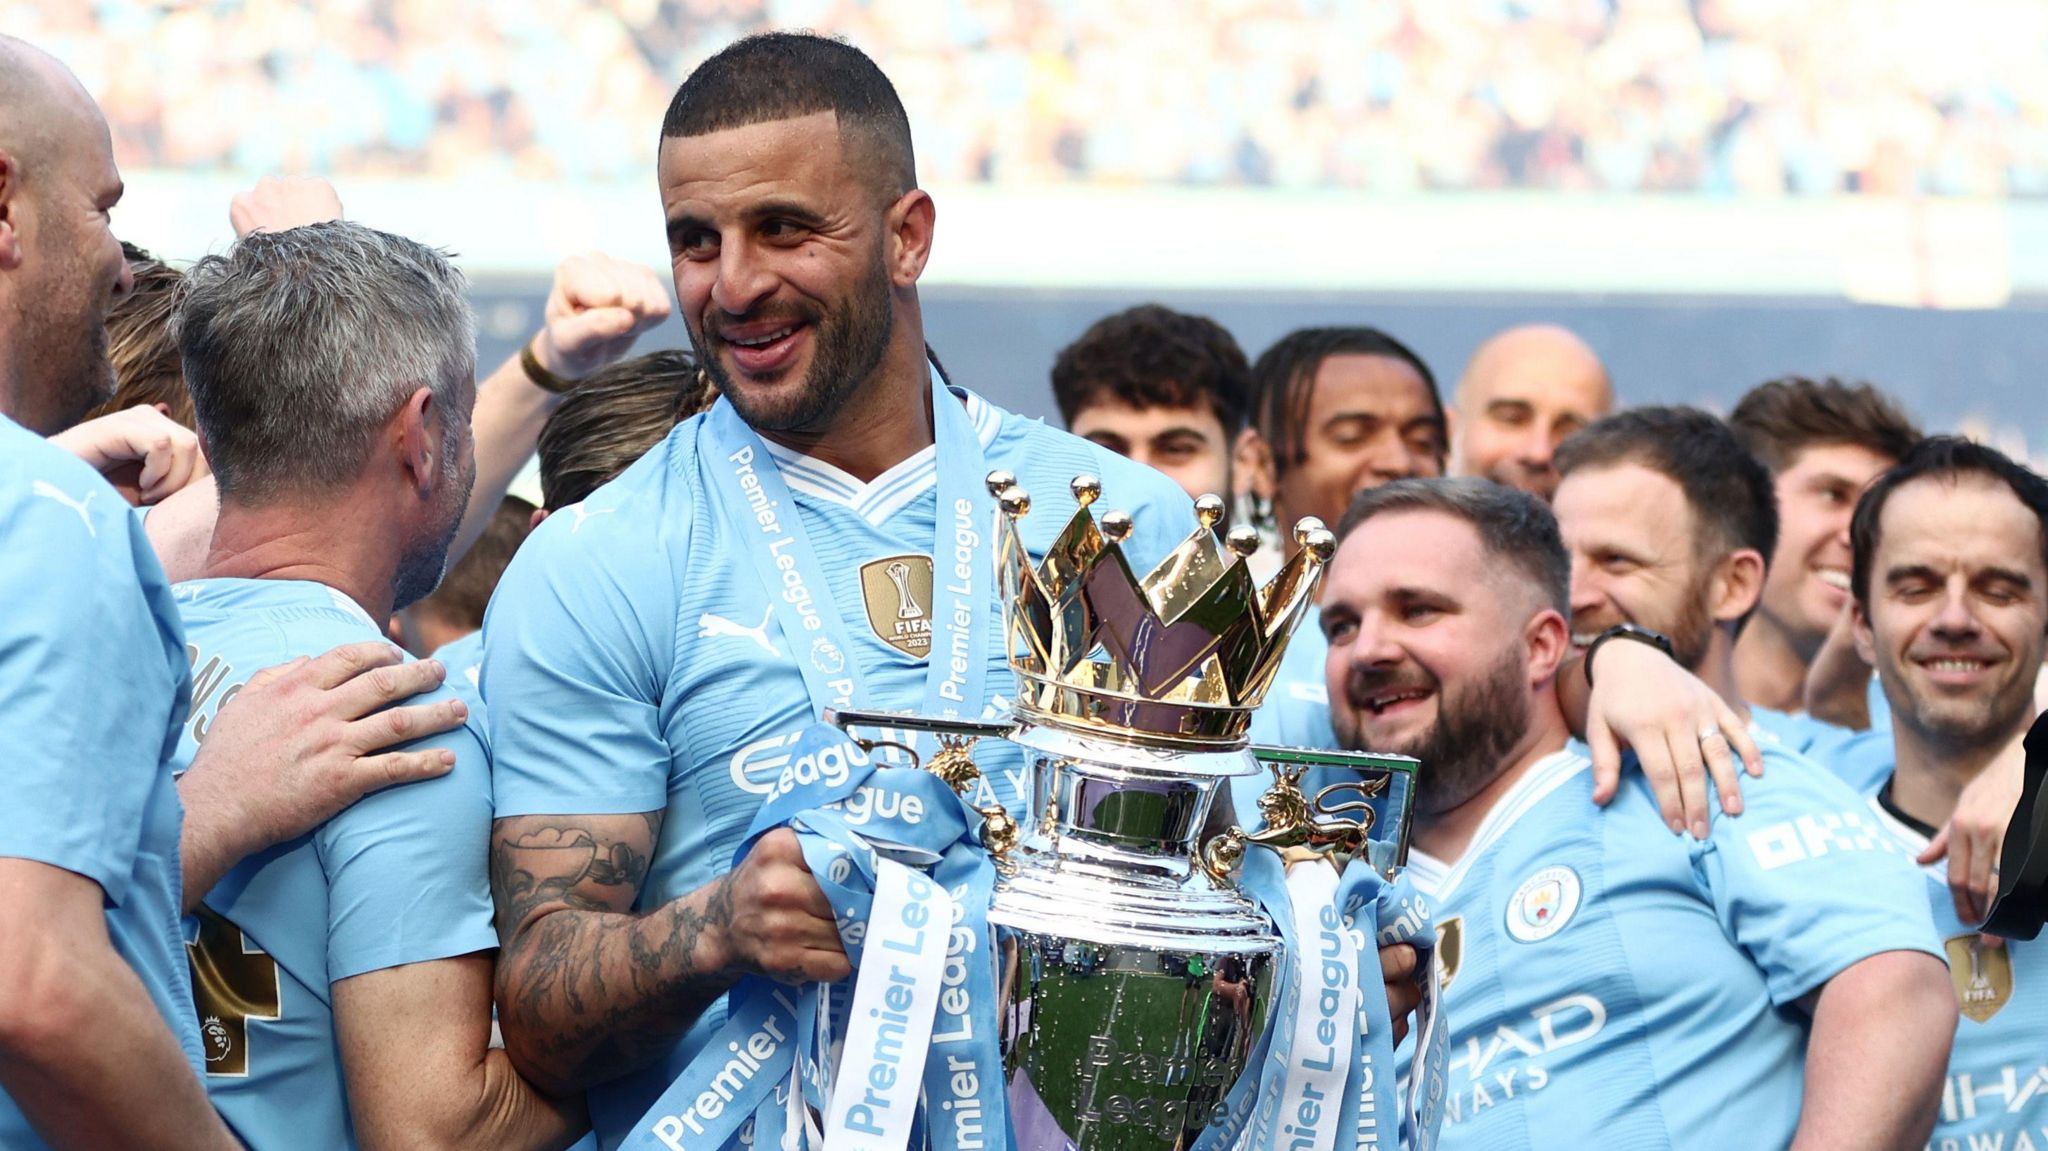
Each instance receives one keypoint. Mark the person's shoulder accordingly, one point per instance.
(52, 505)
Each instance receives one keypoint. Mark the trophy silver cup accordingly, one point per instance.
(1134, 977)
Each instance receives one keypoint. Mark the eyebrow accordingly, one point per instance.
(2010, 575)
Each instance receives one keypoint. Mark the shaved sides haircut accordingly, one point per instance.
(1515, 527)
(785, 75)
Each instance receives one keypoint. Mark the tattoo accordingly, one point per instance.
(590, 988)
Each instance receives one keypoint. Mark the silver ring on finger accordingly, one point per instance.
(1707, 733)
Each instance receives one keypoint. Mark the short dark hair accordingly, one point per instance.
(146, 365)
(466, 590)
(1945, 457)
(784, 75)
(612, 418)
(1154, 357)
(1283, 380)
(1727, 489)
(1512, 524)
(1778, 419)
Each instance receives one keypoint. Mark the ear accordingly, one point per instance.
(394, 629)
(1549, 639)
(910, 222)
(416, 441)
(539, 514)
(1251, 462)
(1738, 585)
(1859, 628)
(10, 211)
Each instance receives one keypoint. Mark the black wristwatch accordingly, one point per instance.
(1655, 639)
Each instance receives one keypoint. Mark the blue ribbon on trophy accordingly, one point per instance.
(905, 1052)
(1324, 1074)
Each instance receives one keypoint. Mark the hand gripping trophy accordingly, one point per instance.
(1136, 978)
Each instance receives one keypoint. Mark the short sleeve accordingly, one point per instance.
(1807, 883)
(405, 868)
(93, 674)
(578, 642)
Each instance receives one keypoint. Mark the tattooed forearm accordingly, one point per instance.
(587, 988)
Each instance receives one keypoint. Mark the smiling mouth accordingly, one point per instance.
(1379, 702)
(1833, 577)
(1955, 666)
(761, 341)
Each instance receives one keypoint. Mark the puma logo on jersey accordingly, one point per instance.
(50, 491)
(710, 626)
(582, 513)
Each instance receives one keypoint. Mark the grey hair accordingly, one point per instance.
(1512, 525)
(298, 345)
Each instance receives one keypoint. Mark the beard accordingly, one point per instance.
(848, 342)
(1477, 724)
(68, 372)
(421, 568)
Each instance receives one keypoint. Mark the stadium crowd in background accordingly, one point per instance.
(1742, 96)
(301, 427)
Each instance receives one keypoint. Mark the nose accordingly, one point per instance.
(1954, 621)
(1586, 593)
(1538, 446)
(124, 283)
(1372, 645)
(743, 281)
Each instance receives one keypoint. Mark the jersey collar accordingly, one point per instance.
(1438, 879)
(885, 495)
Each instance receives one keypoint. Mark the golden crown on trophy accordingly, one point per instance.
(1187, 651)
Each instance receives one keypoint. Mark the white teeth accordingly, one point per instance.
(760, 341)
(1834, 577)
(1584, 639)
(1380, 703)
(1956, 665)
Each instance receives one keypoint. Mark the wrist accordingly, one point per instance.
(1633, 633)
(545, 368)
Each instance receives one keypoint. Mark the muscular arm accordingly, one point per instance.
(415, 1047)
(1879, 1049)
(83, 1049)
(589, 989)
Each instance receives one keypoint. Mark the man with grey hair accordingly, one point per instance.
(98, 1041)
(349, 971)
(1608, 983)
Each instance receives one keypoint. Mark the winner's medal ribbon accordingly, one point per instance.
(1379, 913)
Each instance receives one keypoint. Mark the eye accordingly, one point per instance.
(777, 228)
(697, 243)
(1420, 612)
(1339, 629)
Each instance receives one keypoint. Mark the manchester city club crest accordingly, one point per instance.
(897, 591)
(1543, 904)
(1982, 973)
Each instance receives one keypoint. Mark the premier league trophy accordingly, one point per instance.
(1134, 977)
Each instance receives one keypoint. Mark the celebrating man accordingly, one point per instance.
(98, 1043)
(1609, 983)
(1951, 605)
(819, 539)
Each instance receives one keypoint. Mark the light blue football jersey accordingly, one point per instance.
(1996, 1093)
(464, 659)
(93, 689)
(397, 878)
(633, 661)
(1610, 984)
(1861, 759)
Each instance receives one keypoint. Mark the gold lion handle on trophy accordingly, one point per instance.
(1292, 829)
(953, 763)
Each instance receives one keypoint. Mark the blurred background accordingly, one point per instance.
(1711, 192)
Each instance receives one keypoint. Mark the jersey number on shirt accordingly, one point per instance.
(232, 983)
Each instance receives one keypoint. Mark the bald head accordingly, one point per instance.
(60, 267)
(1523, 392)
